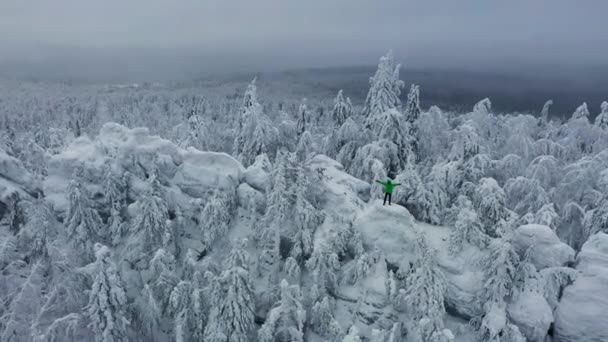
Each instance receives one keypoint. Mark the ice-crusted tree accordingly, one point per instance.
(352, 335)
(285, 321)
(83, 222)
(412, 108)
(571, 229)
(150, 224)
(343, 109)
(263, 139)
(233, 304)
(306, 219)
(115, 200)
(385, 88)
(499, 271)
(322, 320)
(383, 151)
(162, 278)
(23, 305)
(432, 135)
(303, 119)
(198, 135)
(248, 108)
(483, 107)
(547, 216)
(414, 196)
(599, 219)
(425, 288)
(489, 202)
(466, 228)
(343, 143)
(215, 217)
(107, 299)
(188, 316)
(525, 195)
(544, 113)
(324, 266)
(581, 112)
(305, 147)
(35, 234)
(467, 143)
(602, 119)
(495, 327)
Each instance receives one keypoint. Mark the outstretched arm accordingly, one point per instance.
(380, 182)
(395, 184)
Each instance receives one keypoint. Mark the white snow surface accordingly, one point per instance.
(547, 249)
(582, 313)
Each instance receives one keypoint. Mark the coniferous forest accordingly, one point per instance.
(176, 213)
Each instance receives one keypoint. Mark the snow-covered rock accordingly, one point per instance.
(547, 250)
(532, 315)
(193, 172)
(390, 228)
(339, 183)
(582, 313)
(246, 194)
(202, 171)
(258, 174)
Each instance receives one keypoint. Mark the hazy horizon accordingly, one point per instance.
(160, 39)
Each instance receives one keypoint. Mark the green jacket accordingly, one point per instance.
(388, 187)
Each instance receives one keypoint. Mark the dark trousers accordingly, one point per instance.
(387, 195)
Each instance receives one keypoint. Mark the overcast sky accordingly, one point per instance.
(270, 34)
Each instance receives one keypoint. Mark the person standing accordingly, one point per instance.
(388, 190)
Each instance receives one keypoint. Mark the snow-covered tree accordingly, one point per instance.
(602, 119)
(426, 286)
(466, 144)
(198, 135)
(215, 217)
(385, 88)
(304, 120)
(483, 107)
(285, 321)
(188, 318)
(466, 228)
(305, 147)
(83, 222)
(525, 195)
(499, 271)
(353, 335)
(162, 278)
(414, 196)
(151, 220)
(107, 300)
(248, 108)
(544, 113)
(263, 139)
(343, 109)
(22, 307)
(412, 108)
(324, 267)
(233, 303)
(432, 135)
(489, 202)
(322, 320)
(581, 112)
